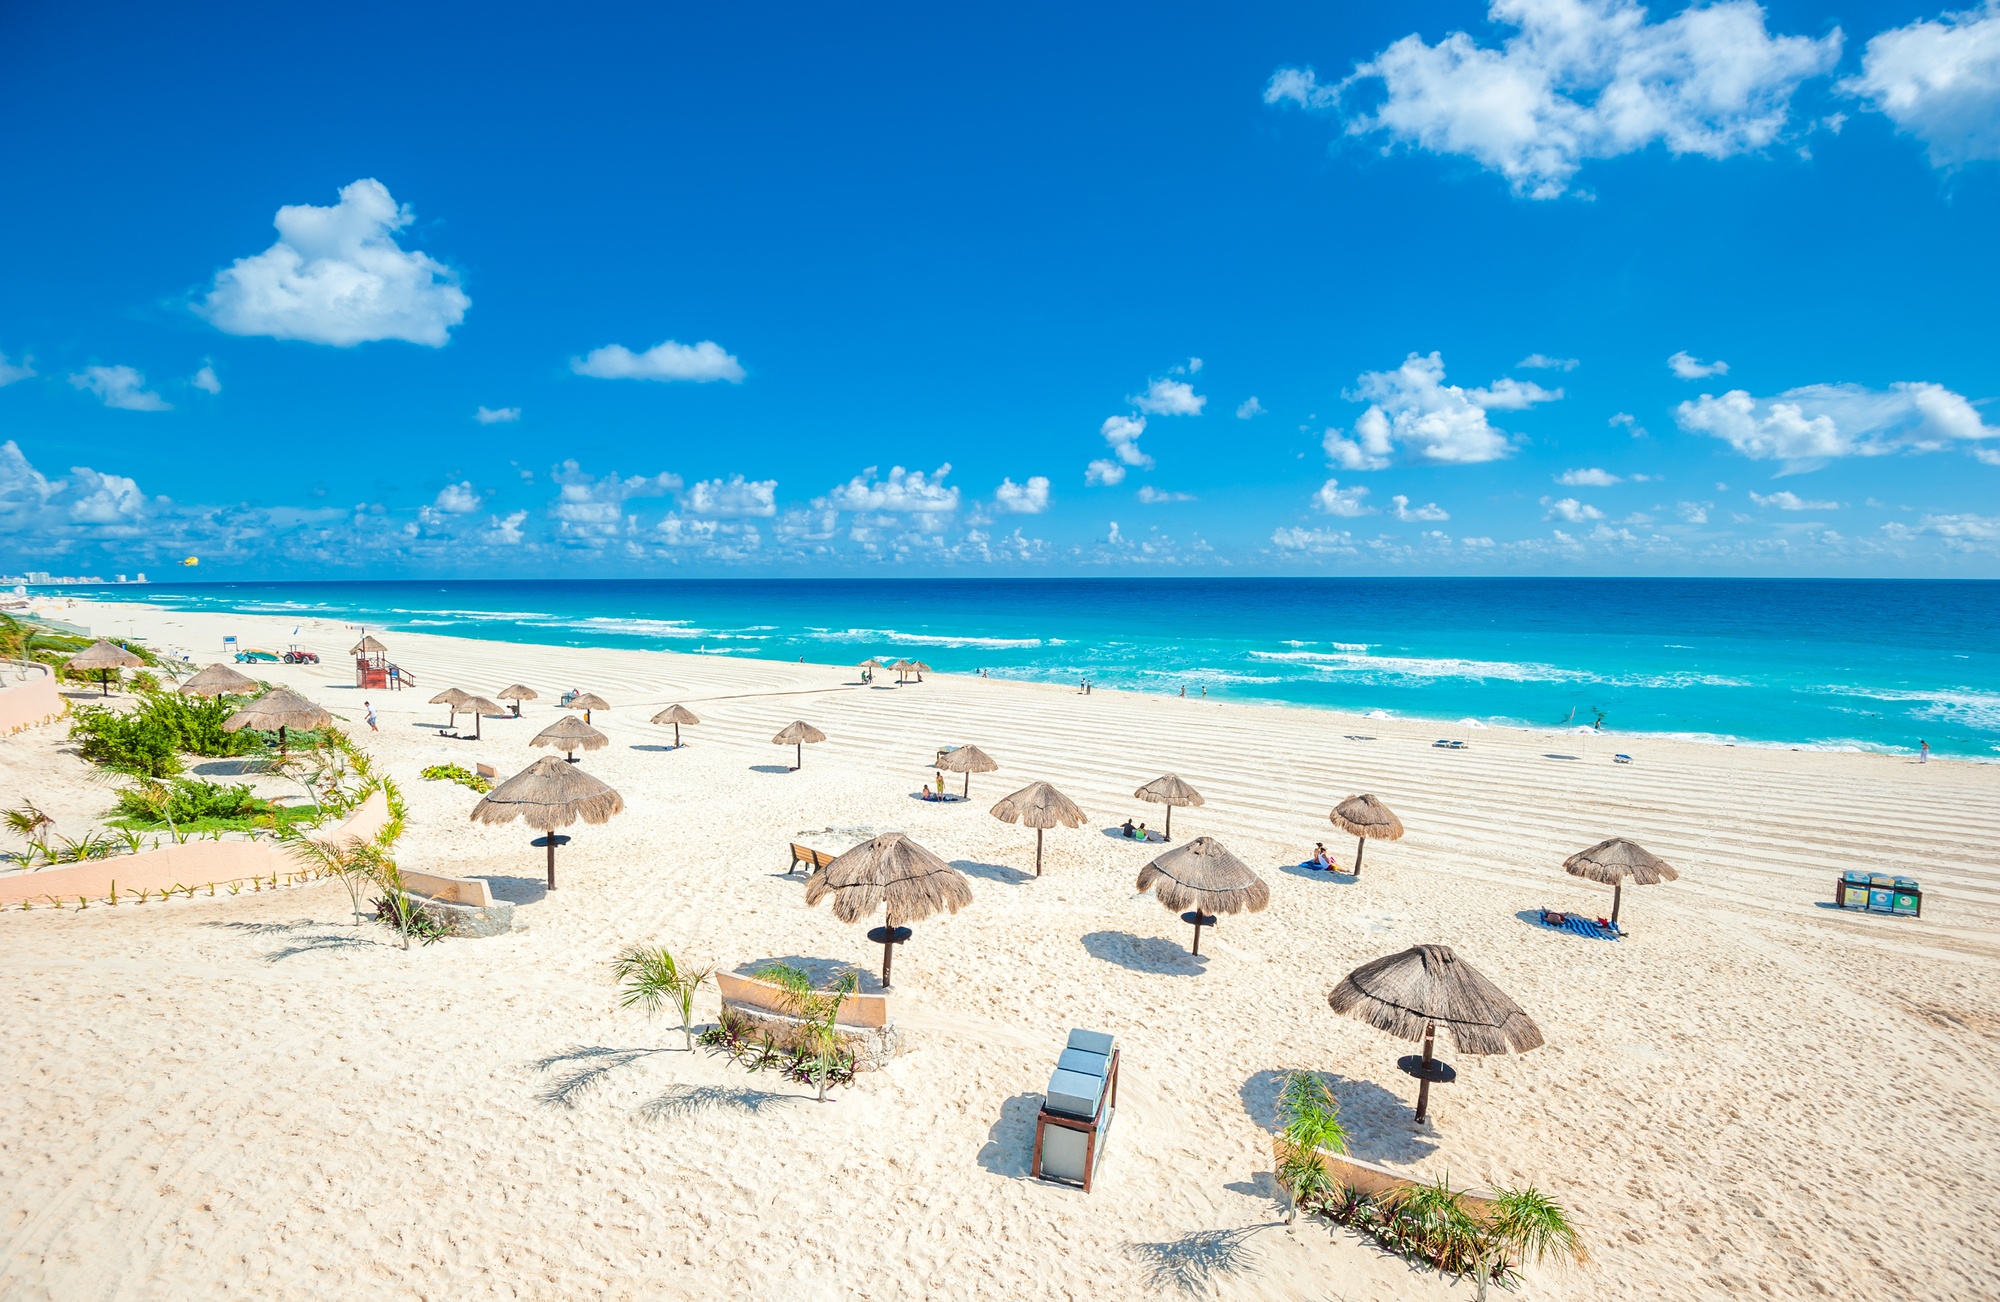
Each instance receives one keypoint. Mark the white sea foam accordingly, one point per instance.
(1960, 705)
(927, 639)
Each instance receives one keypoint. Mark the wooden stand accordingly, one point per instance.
(1092, 1130)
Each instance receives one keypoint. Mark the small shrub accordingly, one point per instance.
(456, 773)
(411, 919)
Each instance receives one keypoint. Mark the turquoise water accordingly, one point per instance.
(1876, 665)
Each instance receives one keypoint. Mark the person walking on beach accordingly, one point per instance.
(1923, 751)
(369, 706)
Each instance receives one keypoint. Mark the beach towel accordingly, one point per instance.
(1579, 925)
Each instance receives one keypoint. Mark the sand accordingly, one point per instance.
(1755, 1094)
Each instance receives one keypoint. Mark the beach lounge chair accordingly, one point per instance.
(1445, 743)
(1577, 924)
(1621, 759)
(1076, 1110)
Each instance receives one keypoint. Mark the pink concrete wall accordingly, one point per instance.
(25, 702)
(207, 865)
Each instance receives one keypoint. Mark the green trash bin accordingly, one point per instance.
(1908, 898)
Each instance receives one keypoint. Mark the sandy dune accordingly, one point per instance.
(1754, 1095)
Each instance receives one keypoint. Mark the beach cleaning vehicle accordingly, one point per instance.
(257, 655)
(298, 655)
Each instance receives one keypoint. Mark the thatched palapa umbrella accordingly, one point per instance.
(676, 715)
(1410, 994)
(919, 668)
(478, 706)
(1040, 806)
(218, 680)
(902, 668)
(453, 697)
(1201, 876)
(549, 794)
(1364, 818)
(587, 701)
(1169, 790)
(103, 659)
(516, 693)
(797, 734)
(1615, 860)
(278, 710)
(570, 734)
(893, 873)
(967, 760)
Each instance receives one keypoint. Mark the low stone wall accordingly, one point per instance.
(30, 701)
(464, 904)
(863, 1026)
(1377, 1181)
(204, 865)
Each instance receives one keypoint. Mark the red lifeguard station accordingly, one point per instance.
(371, 666)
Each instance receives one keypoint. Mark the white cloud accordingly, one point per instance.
(207, 380)
(1152, 496)
(1249, 408)
(22, 487)
(1399, 506)
(1790, 501)
(1693, 368)
(701, 363)
(457, 499)
(1103, 472)
(1571, 510)
(1031, 498)
(1169, 398)
(120, 387)
(1695, 512)
(104, 499)
(1981, 528)
(1542, 362)
(593, 508)
(496, 415)
(337, 276)
(735, 496)
(1808, 426)
(1335, 500)
(1122, 433)
(720, 538)
(1414, 408)
(10, 372)
(505, 532)
(1579, 79)
(904, 492)
(1630, 422)
(1319, 541)
(1590, 477)
(1940, 82)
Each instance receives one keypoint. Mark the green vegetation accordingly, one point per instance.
(1311, 1118)
(26, 640)
(816, 1011)
(186, 806)
(363, 863)
(148, 741)
(652, 977)
(1433, 1223)
(455, 773)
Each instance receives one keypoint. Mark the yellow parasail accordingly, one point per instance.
(192, 560)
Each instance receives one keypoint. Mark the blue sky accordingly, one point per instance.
(1435, 289)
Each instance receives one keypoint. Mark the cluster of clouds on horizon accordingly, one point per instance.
(1581, 80)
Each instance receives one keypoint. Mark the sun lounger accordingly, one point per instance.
(1621, 759)
(1076, 1110)
(1444, 743)
(1576, 923)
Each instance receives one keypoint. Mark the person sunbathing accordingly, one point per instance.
(1319, 858)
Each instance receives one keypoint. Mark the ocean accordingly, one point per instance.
(1854, 664)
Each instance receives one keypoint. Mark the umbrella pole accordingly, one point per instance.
(1197, 929)
(1038, 852)
(477, 723)
(281, 741)
(104, 682)
(1360, 844)
(1424, 1088)
(799, 762)
(968, 784)
(1170, 836)
(1617, 889)
(888, 951)
(550, 836)
(677, 736)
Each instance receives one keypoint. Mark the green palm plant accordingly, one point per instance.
(652, 977)
(1527, 1227)
(1311, 1119)
(356, 863)
(1432, 1222)
(817, 1012)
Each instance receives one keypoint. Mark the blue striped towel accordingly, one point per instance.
(1581, 926)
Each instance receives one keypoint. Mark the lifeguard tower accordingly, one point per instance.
(372, 669)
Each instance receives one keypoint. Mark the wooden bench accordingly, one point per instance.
(814, 860)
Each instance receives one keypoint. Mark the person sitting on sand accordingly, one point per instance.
(1127, 829)
(1319, 858)
(1142, 834)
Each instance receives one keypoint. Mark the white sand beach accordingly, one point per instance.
(1755, 1094)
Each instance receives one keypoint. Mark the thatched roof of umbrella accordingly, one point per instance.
(676, 714)
(1203, 875)
(1169, 790)
(549, 794)
(1428, 983)
(367, 646)
(104, 655)
(890, 871)
(281, 707)
(920, 667)
(480, 705)
(588, 701)
(452, 696)
(516, 692)
(871, 663)
(1364, 815)
(797, 732)
(1618, 860)
(967, 759)
(1040, 805)
(902, 664)
(570, 733)
(218, 680)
